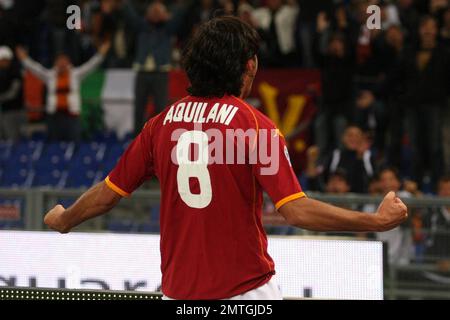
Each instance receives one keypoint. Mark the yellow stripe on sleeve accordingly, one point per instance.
(289, 198)
(115, 188)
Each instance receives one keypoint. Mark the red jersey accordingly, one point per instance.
(213, 244)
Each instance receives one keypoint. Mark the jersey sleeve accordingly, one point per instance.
(276, 175)
(135, 165)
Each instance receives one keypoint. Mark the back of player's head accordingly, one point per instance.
(216, 57)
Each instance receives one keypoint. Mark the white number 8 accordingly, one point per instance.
(194, 169)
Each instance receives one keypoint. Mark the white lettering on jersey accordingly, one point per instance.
(190, 111)
(213, 113)
(195, 112)
(178, 115)
(169, 116)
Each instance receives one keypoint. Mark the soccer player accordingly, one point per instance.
(213, 245)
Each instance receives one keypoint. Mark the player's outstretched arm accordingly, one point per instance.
(96, 201)
(314, 215)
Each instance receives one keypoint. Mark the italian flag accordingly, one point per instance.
(107, 99)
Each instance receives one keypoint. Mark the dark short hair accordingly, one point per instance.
(339, 173)
(215, 58)
(392, 170)
(424, 19)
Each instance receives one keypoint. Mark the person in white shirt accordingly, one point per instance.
(276, 23)
(63, 81)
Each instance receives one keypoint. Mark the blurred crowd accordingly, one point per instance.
(379, 87)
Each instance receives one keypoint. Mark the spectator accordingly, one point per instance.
(355, 158)
(389, 88)
(63, 91)
(409, 18)
(365, 46)
(436, 7)
(313, 170)
(116, 28)
(200, 12)
(12, 115)
(20, 22)
(445, 35)
(425, 74)
(153, 56)
(389, 14)
(438, 224)
(306, 27)
(445, 30)
(368, 110)
(369, 114)
(276, 24)
(337, 68)
(245, 11)
(56, 18)
(337, 183)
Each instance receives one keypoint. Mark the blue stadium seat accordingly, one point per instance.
(35, 163)
(39, 136)
(115, 151)
(122, 226)
(20, 155)
(53, 156)
(51, 178)
(78, 178)
(153, 225)
(112, 155)
(106, 137)
(149, 228)
(5, 151)
(128, 137)
(87, 157)
(155, 213)
(107, 166)
(21, 178)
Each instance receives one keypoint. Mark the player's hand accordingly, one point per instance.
(391, 212)
(54, 219)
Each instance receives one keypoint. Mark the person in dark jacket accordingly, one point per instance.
(335, 111)
(425, 74)
(153, 55)
(437, 248)
(354, 158)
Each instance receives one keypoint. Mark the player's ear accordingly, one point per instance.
(252, 66)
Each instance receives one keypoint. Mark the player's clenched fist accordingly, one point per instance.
(391, 212)
(53, 219)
